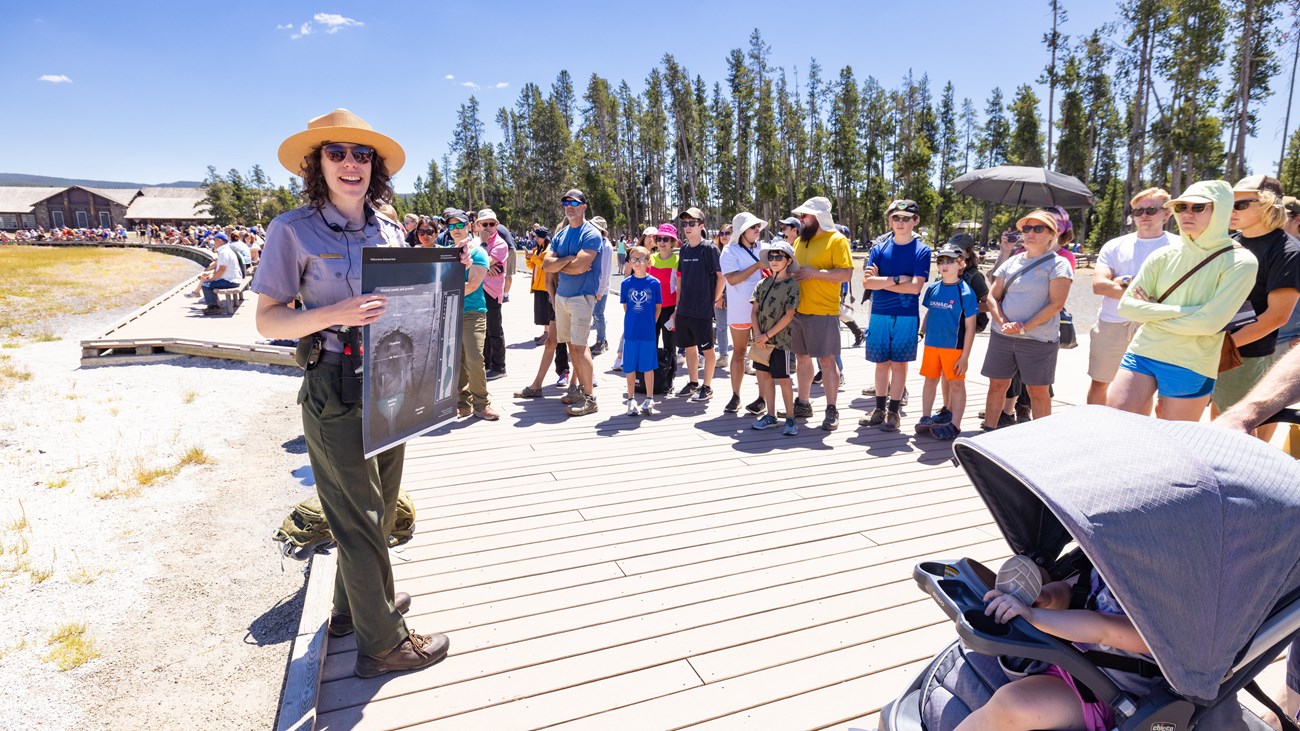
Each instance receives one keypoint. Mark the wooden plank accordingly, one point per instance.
(306, 659)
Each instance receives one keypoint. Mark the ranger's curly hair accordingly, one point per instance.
(316, 191)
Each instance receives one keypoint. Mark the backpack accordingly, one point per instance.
(305, 529)
(663, 374)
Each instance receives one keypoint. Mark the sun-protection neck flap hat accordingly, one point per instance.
(1215, 236)
(339, 125)
(743, 222)
(1191, 526)
(820, 207)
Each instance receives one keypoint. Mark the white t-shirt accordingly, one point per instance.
(736, 258)
(227, 257)
(1123, 256)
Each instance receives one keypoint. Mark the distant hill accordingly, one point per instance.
(45, 180)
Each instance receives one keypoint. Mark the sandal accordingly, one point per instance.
(945, 432)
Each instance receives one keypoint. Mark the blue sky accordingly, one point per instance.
(155, 92)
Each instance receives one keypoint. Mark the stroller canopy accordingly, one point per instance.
(1194, 528)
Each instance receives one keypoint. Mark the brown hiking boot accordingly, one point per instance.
(341, 624)
(463, 410)
(487, 413)
(413, 653)
(581, 408)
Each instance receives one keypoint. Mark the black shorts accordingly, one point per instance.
(543, 312)
(694, 332)
(778, 365)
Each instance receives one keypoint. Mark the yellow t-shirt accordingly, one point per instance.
(826, 250)
(539, 276)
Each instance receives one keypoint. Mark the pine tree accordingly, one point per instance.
(1026, 144)
(950, 151)
(1256, 64)
(997, 132)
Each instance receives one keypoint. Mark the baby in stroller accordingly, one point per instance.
(1051, 699)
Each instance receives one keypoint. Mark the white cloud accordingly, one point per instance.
(470, 85)
(55, 79)
(502, 85)
(330, 22)
(335, 22)
(449, 77)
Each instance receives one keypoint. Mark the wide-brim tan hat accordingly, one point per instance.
(743, 222)
(339, 125)
(1044, 217)
(818, 206)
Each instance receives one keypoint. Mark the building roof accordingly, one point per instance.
(23, 199)
(169, 204)
(117, 195)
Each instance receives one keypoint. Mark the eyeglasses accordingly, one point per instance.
(688, 223)
(777, 256)
(1148, 211)
(1037, 228)
(570, 203)
(901, 219)
(487, 224)
(725, 232)
(425, 232)
(339, 153)
(1243, 204)
(1196, 207)
(638, 260)
(456, 226)
(664, 239)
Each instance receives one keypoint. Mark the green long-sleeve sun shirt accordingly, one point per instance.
(1186, 329)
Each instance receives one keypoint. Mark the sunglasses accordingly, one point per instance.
(664, 239)
(789, 225)
(425, 232)
(1196, 207)
(638, 260)
(1148, 211)
(777, 257)
(945, 260)
(487, 224)
(1292, 214)
(1243, 204)
(725, 232)
(1037, 228)
(456, 226)
(570, 203)
(901, 219)
(688, 223)
(339, 153)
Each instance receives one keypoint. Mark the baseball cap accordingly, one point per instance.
(790, 221)
(693, 212)
(1256, 183)
(575, 194)
(541, 233)
(1291, 204)
(949, 250)
(904, 205)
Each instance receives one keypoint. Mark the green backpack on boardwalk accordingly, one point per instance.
(306, 529)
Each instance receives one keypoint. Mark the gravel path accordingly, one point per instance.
(180, 587)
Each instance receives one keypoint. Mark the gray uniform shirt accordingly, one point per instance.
(304, 257)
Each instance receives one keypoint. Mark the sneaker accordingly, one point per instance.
(757, 407)
(412, 653)
(791, 428)
(487, 413)
(573, 396)
(463, 410)
(891, 421)
(944, 416)
(925, 424)
(802, 410)
(632, 408)
(817, 379)
(749, 368)
(583, 407)
(1023, 414)
(858, 339)
(688, 389)
(733, 405)
(495, 373)
(563, 380)
(764, 422)
(529, 392)
(191, 295)
(648, 407)
(832, 420)
(540, 339)
(875, 418)
(618, 364)
(904, 401)
(1005, 419)
(600, 347)
(704, 394)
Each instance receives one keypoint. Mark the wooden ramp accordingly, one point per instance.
(675, 571)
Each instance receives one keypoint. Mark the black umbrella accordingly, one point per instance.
(1012, 185)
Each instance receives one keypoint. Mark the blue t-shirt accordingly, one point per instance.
(568, 242)
(474, 301)
(640, 296)
(904, 260)
(949, 306)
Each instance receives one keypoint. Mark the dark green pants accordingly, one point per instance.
(358, 496)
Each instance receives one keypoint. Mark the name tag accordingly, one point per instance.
(331, 256)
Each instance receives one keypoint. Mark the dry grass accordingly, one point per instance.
(47, 337)
(188, 396)
(57, 483)
(10, 649)
(118, 491)
(41, 283)
(11, 372)
(194, 456)
(70, 646)
(19, 524)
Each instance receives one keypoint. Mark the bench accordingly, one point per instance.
(229, 299)
(1086, 260)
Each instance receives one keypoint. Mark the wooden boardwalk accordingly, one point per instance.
(676, 571)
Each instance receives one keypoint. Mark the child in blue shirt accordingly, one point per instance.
(949, 327)
(641, 297)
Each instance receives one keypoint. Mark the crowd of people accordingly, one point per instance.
(37, 235)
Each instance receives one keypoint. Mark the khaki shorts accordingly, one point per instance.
(815, 335)
(573, 318)
(1233, 385)
(1107, 343)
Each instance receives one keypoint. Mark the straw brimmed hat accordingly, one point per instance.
(339, 125)
(1043, 217)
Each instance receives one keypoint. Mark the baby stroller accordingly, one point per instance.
(1195, 531)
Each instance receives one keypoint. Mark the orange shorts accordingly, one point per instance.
(936, 361)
